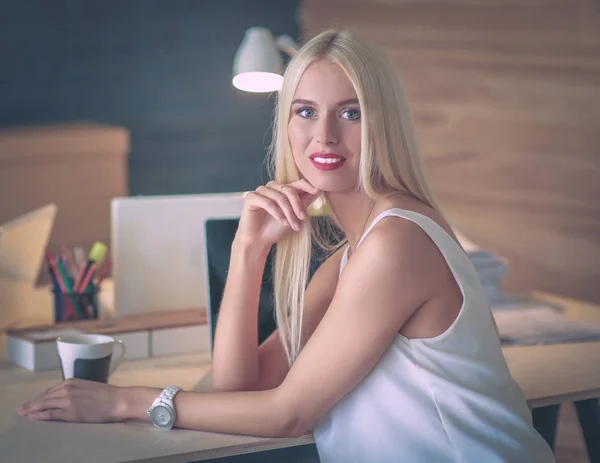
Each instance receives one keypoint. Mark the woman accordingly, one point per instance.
(390, 353)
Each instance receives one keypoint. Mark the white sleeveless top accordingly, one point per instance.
(444, 399)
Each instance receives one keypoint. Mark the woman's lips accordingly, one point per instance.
(327, 161)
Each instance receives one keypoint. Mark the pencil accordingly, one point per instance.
(65, 287)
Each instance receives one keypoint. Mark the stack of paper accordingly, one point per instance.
(490, 270)
(489, 266)
(540, 324)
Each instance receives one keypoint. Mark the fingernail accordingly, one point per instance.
(303, 215)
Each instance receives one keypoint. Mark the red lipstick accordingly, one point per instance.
(327, 161)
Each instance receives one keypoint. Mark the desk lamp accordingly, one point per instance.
(258, 65)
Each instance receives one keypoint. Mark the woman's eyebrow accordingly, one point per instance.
(312, 103)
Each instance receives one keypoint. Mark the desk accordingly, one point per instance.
(554, 374)
(50, 442)
(558, 373)
(549, 375)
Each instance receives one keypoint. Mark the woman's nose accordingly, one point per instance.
(327, 131)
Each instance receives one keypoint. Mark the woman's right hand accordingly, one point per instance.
(273, 211)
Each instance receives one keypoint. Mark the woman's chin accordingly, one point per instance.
(333, 187)
(330, 185)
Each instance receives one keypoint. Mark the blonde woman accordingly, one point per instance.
(389, 353)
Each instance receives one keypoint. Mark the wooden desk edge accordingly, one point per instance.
(563, 398)
(262, 445)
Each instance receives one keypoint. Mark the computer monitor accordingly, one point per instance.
(218, 238)
(158, 249)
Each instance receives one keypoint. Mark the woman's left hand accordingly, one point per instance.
(76, 400)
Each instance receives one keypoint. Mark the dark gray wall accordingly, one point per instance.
(160, 68)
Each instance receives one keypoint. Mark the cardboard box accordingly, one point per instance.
(79, 166)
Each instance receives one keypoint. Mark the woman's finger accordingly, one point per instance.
(58, 386)
(68, 383)
(60, 390)
(257, 201)
(301, 184)
(47, 403)
(276, 193)
(304, 185)
(306, 192)
(53, 414)
(294, 199)
(38, 402)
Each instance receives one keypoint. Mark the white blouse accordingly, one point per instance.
(450, 398)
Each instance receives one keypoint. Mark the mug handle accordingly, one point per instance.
(119, 359)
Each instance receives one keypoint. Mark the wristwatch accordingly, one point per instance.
(162, 411)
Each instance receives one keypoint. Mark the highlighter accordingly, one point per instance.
(95, 259)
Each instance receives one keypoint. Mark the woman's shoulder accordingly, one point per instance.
(404, 249)
(393, 239)
(396, 256)
(414, 205)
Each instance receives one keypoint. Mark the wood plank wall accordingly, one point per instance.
(506, 99)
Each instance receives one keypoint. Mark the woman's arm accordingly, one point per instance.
(364, 318)
(254, 413)
(393, 273)
(272, 361)
(259, 413)
(270, 213)
(273, 364)
(235, 354)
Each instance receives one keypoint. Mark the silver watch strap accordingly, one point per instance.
(169, 392)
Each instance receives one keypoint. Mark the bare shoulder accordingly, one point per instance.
(403, 248)
(413, 205)
(396, 239)
(400, 247)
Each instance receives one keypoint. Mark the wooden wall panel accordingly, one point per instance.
(506, 100)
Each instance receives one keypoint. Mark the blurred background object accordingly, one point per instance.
(78, 166)
(506, 103)
(490, 267)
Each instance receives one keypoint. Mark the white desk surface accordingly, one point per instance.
(548, 375)
(22, 439)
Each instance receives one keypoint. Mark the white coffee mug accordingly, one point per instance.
(88, 356)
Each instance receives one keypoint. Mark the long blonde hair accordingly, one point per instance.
(390, 157)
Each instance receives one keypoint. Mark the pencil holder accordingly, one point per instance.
(72, 307)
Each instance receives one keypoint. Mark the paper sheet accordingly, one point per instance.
(541, 325)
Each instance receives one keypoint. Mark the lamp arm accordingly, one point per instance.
(287, 44)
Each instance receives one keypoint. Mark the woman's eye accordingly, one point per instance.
(351, 114)
(305, 112)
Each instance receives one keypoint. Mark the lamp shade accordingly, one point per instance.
(258, 65)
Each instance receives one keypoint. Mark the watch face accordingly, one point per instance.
(161, 415)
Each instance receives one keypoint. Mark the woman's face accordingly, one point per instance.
(325, 128)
